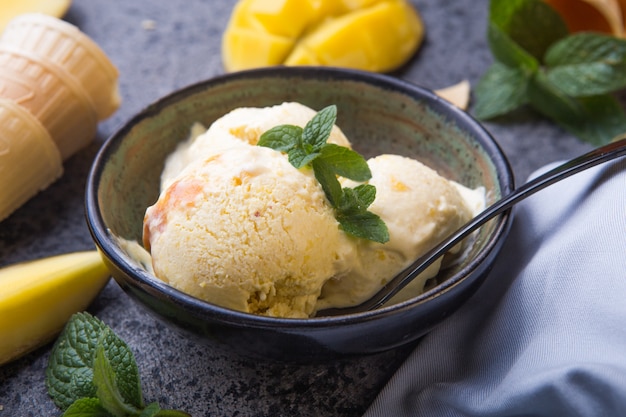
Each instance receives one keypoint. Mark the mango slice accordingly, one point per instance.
(373, 35)
(11, 8)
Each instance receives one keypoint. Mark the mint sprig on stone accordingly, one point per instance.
(92, 373)
(568, 78)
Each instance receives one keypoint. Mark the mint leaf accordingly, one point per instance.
(317, 130)
(151, 410)
(345, 162)
(364, 225)
(154, 410)
(501, 90)
(300, 157)
(596, 119)
(86, 407)
(107, 389)
(508, 52)
(587, 64)
(69, 374)
(282, 138)
(531, 24)
(354, 218)
(325, 175)
(172, 413)
(357, 199)
(124, 366)
(566, 78)
(92, 372)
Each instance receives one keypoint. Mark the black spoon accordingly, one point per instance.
(595, 157)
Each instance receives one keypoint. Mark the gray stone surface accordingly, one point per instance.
(184, 47)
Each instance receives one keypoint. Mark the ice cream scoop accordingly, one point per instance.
(245, 124)
(420, 208)
(595, 157)
(246, 230)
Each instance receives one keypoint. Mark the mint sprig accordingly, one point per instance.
(568, 78)
(308, 147)
(93, 373)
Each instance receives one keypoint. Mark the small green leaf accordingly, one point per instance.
(595, 119)
(366, 194)
(499, 91)
(345, 162)
(69, 374)
(587, 64)
(531, 24)
(107, 387)
(151, 410)
(325, 175)
(92, 373)
(124, 365)
(172, 413)
(281, 138)
(154, 410)
(365, 225)
(356, 200)
(86, 407)
(509, 53)
(298, 157)
(317, 130)
(354, 218)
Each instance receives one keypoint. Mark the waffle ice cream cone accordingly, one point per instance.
(64, 45)
(28, 164)
(52, 95)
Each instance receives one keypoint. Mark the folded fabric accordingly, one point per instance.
(546, 333)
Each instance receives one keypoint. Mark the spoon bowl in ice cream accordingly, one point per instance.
(380, 115)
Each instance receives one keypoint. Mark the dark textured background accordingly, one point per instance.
(182, 48)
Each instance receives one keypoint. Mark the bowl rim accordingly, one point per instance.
(199, 308)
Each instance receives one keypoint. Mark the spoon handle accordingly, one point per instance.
(595, 157)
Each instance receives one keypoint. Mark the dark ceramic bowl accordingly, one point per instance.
(378, 114)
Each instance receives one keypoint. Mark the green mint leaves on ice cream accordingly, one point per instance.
(307, 147)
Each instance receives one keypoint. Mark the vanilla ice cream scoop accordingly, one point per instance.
(245, 124)
(246, 230)
(420, 209)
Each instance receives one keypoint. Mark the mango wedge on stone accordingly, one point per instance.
(373, 35)
(362, 39)
(38, 297)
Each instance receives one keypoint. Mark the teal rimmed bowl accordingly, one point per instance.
(379, 114)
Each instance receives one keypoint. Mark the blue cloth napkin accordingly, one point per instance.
(546, 334)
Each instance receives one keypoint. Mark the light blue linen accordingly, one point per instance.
(546, 334)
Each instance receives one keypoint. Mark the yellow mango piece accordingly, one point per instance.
(39, 296)
(358, 4)
(11, 8)
(321, 9)
(375, 35)
(286, 18)
(248, 49)
(363, 39)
